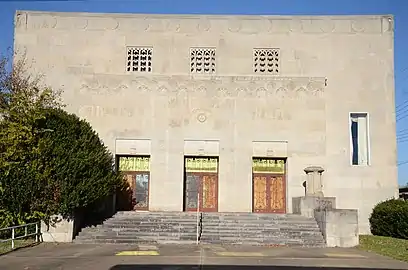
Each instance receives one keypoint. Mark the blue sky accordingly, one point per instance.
(398, 8)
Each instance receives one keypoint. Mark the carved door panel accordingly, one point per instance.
(209, 193)
(141, 191)
(277, 193)
(260, 200)
(269, 194)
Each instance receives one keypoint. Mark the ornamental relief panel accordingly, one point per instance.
(221, 87)
(198, 24)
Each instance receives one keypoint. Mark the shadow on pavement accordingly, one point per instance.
(224, 267)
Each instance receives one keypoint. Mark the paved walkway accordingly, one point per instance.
(171, 257)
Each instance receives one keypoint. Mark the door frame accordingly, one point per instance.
(269, 175)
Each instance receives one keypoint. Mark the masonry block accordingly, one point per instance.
(306, 206)
(59, 230)
(339, 226)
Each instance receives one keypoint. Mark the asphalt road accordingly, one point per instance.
(124, 257)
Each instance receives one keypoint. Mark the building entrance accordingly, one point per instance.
(268, 185)
(201, 184)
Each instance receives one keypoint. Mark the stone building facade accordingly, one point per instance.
(229, 110)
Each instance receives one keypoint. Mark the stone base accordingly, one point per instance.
(305, 206)
(60, 230)
(339, 226)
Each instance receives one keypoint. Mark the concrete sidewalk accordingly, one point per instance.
(169, 257)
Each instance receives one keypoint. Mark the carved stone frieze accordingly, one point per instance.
(206, 23)
(217, 86)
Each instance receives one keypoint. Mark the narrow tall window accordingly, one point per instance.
(359, 139)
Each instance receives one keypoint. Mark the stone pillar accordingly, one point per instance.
(314, 183)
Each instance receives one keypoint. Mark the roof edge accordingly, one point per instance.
(214, 16)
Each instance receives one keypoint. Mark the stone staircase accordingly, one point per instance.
(216, 228)
(261, 229)
(143, 228)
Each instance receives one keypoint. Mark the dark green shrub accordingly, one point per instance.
(390, 218)
(80, 164)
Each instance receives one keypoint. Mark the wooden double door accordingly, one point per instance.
(139, 188)
(201, 192)
(269, 186)
(136, 170)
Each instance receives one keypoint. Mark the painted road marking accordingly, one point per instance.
(240, 254)
(344, 255)
(138, 253)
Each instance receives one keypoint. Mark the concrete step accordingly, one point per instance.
(114, 241)
(292, 233)
(130, 240)
(259, 221)
(248, 242)
(148, 223)
(260, 226)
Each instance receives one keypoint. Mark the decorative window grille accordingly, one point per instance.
(202, 60)
(266, 61)
(139, 59)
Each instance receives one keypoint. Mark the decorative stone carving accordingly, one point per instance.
(200, 23)
(387, 24)
(21, 20)
(204, 25)
(234, 25)
(98, 111)
(173, 25)
(357, 26)
(291, 88)
(296, 25)
(314, 184)
(41, 21)
(67, 23)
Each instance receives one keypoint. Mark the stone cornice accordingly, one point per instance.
(243, 24)
(199, 16)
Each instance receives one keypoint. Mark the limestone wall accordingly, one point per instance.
(329, 67)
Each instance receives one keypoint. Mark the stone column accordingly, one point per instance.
(314, 183)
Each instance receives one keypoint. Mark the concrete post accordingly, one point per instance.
(314, 182)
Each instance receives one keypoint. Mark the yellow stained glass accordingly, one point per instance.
(268, 166)
(201, 165)
(134, 164)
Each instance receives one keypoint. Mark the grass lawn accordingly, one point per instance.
(6, 247)
(387, 246)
